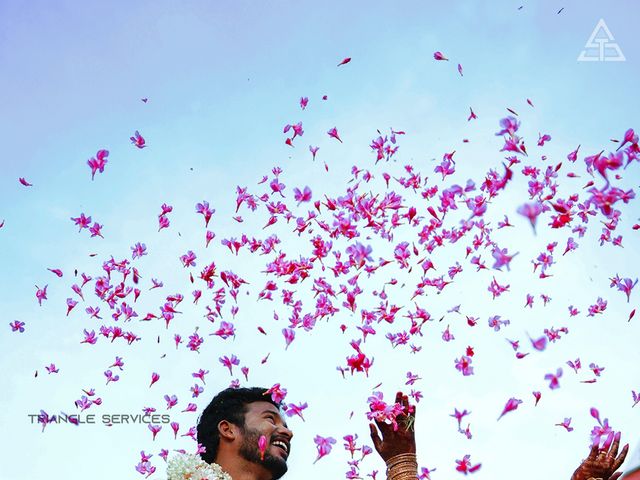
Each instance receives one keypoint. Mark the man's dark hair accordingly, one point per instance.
(230, 405)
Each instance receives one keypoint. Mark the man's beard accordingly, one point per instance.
(249, 451)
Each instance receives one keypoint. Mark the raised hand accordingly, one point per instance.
(602, 463)
(398, 441)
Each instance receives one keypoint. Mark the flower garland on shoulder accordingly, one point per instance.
(187, 466)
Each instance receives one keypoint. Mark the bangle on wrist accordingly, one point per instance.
(402, 467)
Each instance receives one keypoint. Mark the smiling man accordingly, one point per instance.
(230, 429)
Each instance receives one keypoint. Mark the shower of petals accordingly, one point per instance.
(358, 256)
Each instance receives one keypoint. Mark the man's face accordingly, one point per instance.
(263, 418)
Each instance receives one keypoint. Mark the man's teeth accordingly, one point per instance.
(282, 445)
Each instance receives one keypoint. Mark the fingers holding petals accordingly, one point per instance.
(608, 442)
(613, 452)
(593, 452)
(383, 427)
(375, 438)
(620, 460)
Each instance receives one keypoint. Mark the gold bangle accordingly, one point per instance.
(404, 475)
(401, 458)
(397, 471)
(402, 467)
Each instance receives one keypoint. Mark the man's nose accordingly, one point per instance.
(286, 432)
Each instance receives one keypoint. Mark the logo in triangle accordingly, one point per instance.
(601, 46)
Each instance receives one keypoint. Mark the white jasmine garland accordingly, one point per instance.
(191, 467)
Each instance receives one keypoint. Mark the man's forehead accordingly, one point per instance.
(262, 407)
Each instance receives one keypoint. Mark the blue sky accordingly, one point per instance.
(222, 80)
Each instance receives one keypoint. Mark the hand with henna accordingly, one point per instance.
(602, 463)
(399, 441)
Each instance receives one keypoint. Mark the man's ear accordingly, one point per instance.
(227, 430)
